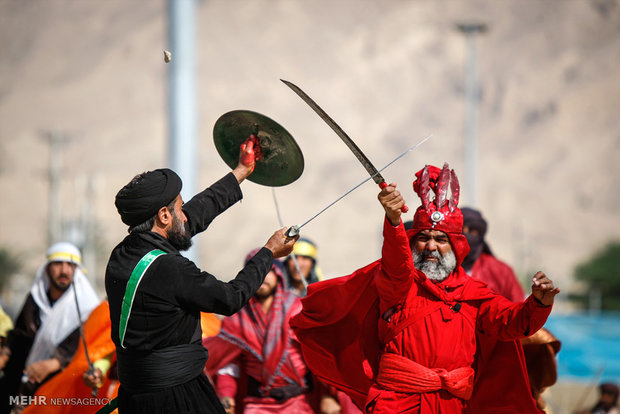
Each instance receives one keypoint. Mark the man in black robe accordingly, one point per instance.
(156, 295)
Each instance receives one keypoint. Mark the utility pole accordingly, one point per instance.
(472, 101)
(183, 112)
(56, 140)
(87, 185)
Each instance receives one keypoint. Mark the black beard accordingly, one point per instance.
(263, 296)
(57, 286)
(178, 236)
(179, 240)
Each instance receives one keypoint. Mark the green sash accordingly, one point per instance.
(132, 286)
(109, 407)
(130, 293)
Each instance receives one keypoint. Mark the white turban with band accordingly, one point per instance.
(59, 319)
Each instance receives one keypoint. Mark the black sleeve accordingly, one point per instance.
(201, 291)
(66, 349)
(26, 325)
(19, 341)
(205, 206)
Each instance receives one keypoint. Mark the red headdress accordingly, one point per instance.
(440, 213)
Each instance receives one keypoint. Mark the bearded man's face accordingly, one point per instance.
(433, 254)
(178, 235)
(268, 287)
(61, 274)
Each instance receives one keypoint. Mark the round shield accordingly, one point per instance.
(282, 161)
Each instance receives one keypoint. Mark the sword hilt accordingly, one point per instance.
(292, 231)
(404, 208)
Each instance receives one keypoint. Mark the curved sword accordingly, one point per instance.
(91, 367)
(343, 135)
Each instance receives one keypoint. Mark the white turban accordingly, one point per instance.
(59, 319)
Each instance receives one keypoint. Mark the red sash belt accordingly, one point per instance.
(401, 374)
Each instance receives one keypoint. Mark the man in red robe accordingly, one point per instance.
(403, 334)
(256, 345)
(480, 263)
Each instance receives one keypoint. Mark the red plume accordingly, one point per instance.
(441, 188)
(423, 188)
(456, 191)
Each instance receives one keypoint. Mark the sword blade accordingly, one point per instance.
(293, 256)
(91, 367)
(77, 306)
(339, 131)
(294, 230)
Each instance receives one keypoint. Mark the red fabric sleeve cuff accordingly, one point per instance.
(394, 235)
(226, 386)
(538, 314)
(396, 253)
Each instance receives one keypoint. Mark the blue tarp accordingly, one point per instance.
(590, 346)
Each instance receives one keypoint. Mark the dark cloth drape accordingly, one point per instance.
(195, 396)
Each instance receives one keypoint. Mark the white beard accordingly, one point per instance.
(438, 270)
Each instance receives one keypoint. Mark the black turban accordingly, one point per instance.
(477, 245)
(473, 219)
(142, 198)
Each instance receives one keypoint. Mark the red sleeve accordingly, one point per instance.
(507, 320)
(394, 281)
(221, 353)
(226, 385)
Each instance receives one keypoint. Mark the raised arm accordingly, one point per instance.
(508, 320)
(208, 204)
(396, 260)
(202, 291)
(392, 202)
